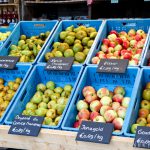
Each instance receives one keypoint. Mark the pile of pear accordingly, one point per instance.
(28, 48)
(7, 92)
(49, 101)
(74, 42)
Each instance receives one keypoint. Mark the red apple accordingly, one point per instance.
(115, 105)
(123, 33)
(106, 42)
(121, 112)
(140, 31)
(125, 44)
(143, 112)
(119, 40)
(95, 106)
(76, 124)
(106, 100)
(138, 37)
(119, 90)
(95, 60)
(110, 115)
(114, 32)
(104, 109)
(123, 52)
(102, 92)
(112, 44)
(93, 115)
(117, 53)
(131, 32)
(125, 102)
(99, 119)
(140, 44)
(118, 123)
(118, 98)
(138, 51)
(127, 56)
(87, 90)
(102, 56)
(90, 97)
(84, 114)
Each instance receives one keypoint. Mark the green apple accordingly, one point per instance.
(145, 104)
(134, 127)
(141, 121)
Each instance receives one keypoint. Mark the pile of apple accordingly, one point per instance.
(122, 45)
(103, 106)
(144, 112)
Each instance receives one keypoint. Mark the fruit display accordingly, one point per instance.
(74, 42)
(122, 45)
(28, 47)
(7, 92)
(144, 111)
(49, 101)
(103, 105)
(4, 36)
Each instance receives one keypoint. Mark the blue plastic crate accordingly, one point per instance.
(143, 78)
(40, 75)
(62, 26)
(98, 80)
(9, 28)
(21, 71)
(121, 25)
(29, 28)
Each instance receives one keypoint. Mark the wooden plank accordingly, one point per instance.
(60, 140)
(9, 4)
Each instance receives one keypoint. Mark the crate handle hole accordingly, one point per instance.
(132, 24)
(8, 44)
(39, 25)
(23, 95)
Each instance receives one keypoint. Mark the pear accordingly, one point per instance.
(13, 47)
(58, 90)
(77, 48)
(81, 34)
(85, 40)
(68, 88)
(90, 43)
(51, 113)
(89, 30)
(86, 51)
(69, 53)
(21, 42)
(62, 47)
(47, 33)
(48, 56)
(77, 41)
(63, 35)
(55, 96)
(70, 28)
(4, 105)
(47, 120)
(69, 40)
(23, 37)
(58, 54)
(55, 45)
(1, 81)
(36, 99)
(80, 57)
(41, 87)
(57, 119)
(60, 108)
(61, 101)
(42, 105)
(30, 112)
(52, 105)
(31, 105)
(45, 98)
(49, 92)
(41, 112)
(73, 34)
(50, 85)
(93, 35)
(18, 80)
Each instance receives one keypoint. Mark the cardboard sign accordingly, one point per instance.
(95, 132)
(8, 62)
(60, 63)
(26, 125)
(113, 65)
(142, 137)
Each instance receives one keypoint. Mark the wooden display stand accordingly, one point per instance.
(60, 140)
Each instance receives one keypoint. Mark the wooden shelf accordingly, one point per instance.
(60, 140)
(11, 4)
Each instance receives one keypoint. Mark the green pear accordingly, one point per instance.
(58, 90)
(61, 101)
(41, 87)
(60, 108)
(62, 47)
(57, 119)
(41, 112)
(68, 88)
(58, 54)
(45, 98)
(89, 30)
(4, 105)
(77, 41)
(70, 28)
(69, 53)
(31, 105)
(86, 51)
(47, 33)
(49, 92)
(93, 35)
(85, 41)
(73, 34)
(42, 105)
(48, 56)
(52, 105)
(77, 48)
(23, 37)
(47, 120)
(55, 96)
(63, 35)
(13, 47)
(51, 113)
(55, 45)
(81, 34)
(21, 42)
(90, 43)
(69, 40)
(36, 99)
(52, 124)
(80, 57)
(30, 112)
(50, 85)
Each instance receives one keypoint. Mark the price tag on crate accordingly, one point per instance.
(113, 65)
(95, 132)
(60, 63)
(142, 137)
(8, 62)
(26, 125)
(114, 1)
